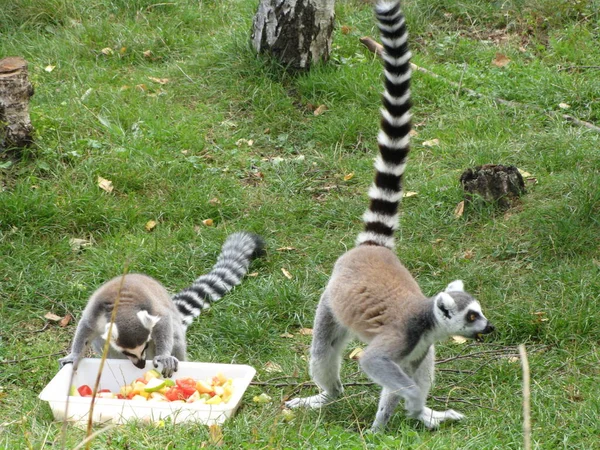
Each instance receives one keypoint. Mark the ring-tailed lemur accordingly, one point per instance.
(370, 293)
(149, 323)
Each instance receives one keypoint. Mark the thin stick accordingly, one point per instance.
(18, 361)
(103, 359)
(526, 399)
(377, 48)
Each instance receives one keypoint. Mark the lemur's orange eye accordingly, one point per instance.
(471, 317)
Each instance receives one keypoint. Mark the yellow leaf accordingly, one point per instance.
(286, 249)
(105, 185)
(141, 87)
(78, 244)
(215, 435)
(459, 210)
(524, 174)
(253, 274)
(286, 335)
(123, 50)
(413, 133)
(349, 176)
(147, 53)
(272, 367)
(214, 201)
(159, 80)
(49, 68)
(305, 331)
(287, 414)
(52, 317)
(500, 60)
(286, 273)
(356, 353)
(431, 143)
(208, 222)
(409, 194)
(107, 51)
(150, 225)
(320, 110)
(564, 105)
(459, 339)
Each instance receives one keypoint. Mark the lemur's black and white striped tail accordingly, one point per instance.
(381, 219)
(232, 265)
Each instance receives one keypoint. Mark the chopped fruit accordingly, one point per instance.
(151, 387)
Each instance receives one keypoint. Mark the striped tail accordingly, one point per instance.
(238, 251)
(381, 219)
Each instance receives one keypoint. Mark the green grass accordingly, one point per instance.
(169, 149)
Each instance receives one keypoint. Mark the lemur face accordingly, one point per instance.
(460, 314)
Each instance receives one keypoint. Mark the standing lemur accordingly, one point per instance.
(370, 293)
(149, 323)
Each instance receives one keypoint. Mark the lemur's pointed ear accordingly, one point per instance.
(147, 319)
(446, 304)
(455, 286)
(114, 333)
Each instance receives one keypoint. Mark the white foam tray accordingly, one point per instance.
(118, 372)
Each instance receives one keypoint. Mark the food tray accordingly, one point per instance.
(118, 372)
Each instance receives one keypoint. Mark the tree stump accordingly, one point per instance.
(296, 32)
(493, 183)
(15, 92)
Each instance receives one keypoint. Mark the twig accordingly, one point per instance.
(377, 48)
(18, 361)
(526, 399)
(503, 352)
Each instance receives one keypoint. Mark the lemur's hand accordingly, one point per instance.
(69, 359)
(170, 364)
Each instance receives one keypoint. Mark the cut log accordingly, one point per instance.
(295, 32)
(15, 92)
(493, 183)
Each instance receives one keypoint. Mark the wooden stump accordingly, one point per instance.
(15, 92)
(295, 32)
(493, 183)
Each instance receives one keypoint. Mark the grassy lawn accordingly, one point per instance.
(168, 102)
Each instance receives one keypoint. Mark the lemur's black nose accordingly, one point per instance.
(140, 364)
(489, 328)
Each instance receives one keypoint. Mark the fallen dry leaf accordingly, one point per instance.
(305, 331)
(288, 414)
(500, 60)
(345, 29)
(523, 173)
(285, 249)
(349, 176)
(468, 254)
(150, 225)
(262, 398)
(141, 87)
(49, 68)
(79, 244)
(65, 320)
(107, 51)
(272, 367)
(286, 335)
(215, 435)
(286, 273)
(459, 210)
(459, 339)
(253, 274)
(413, 133)
(431, 143)
(320, 110)
(514, 359)
(147, 53)
(248, 142)
(409, 194)
(208, 222)
(214, 201)
(52, 317)
(356, 353)
(564, 105)
(159, 80)
(105, 185)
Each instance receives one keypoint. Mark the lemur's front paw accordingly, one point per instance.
(432, 419)
(69, 359)
(170, 364)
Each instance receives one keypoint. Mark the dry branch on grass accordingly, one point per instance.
(377, 48)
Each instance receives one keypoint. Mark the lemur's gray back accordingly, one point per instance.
(232, 265)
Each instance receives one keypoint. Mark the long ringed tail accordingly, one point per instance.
(381, 218)
(232, 265)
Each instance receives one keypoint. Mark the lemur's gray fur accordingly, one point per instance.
(370, 293)
(149, 323)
